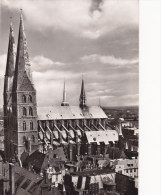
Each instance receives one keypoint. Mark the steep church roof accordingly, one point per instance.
(69, 112)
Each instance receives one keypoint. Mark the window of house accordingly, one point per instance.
(126, 171)
(32, 188)
(24, 98)
(19, 181)
(24, 111)
(24, 125)
(31, 125)
(26, 184)
(30, 111)
(30, 98)
(33, 138)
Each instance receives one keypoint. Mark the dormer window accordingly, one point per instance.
(24, 111)
(24, 99)
(30, 111)
(30, 98)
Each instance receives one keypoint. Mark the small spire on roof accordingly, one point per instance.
(82, 98)
(64, 102)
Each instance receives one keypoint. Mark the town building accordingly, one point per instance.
(128, 167)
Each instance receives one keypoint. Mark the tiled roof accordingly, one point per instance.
(36, 158)
(69, 112)
(101, 136)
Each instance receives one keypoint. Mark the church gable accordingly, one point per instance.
(26, 84)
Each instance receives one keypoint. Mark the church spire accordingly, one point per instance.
(82, 98)
(64, 102)
(11, 54)
(9, 66)
(22, 59)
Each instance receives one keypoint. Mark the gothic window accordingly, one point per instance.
(24, 98)
(31, 125)
(30, 98)
(24, 125)
(33, 138)
(24, 111)
(30, 111)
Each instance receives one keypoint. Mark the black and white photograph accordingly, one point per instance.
(69, 97)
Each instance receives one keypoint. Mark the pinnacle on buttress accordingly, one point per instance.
(64, 102)
(82, 98)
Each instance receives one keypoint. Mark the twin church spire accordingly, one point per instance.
(82, 99)
(22, 64)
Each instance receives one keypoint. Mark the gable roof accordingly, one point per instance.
(70, 112)
(36, 158)
(101, 136)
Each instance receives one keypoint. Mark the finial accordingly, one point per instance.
(11, 24)
(21, 14)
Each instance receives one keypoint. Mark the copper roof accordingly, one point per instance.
(70, 112)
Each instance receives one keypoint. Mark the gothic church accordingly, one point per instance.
(80, 130)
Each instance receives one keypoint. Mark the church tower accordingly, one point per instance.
(24, 106)
(7, 93)
(82, 99)
(64, 102)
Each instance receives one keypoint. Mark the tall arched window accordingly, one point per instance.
(24, 111)
(24, 98)
(33, 138)
(31, 125)
(30, 98)
(30, 111)
(24, 125)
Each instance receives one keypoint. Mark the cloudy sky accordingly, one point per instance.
(68, 37)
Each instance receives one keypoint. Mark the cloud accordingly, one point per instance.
(41, 64)
(3, 59)
(111, 88)
(109, 84)
(107, 60)
(87, 18)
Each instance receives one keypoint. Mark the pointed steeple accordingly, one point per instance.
(10, 58)
(22, 67)
(82, 98)
(64, 102)
(10, 65)
(11, 54)
(7, 95)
